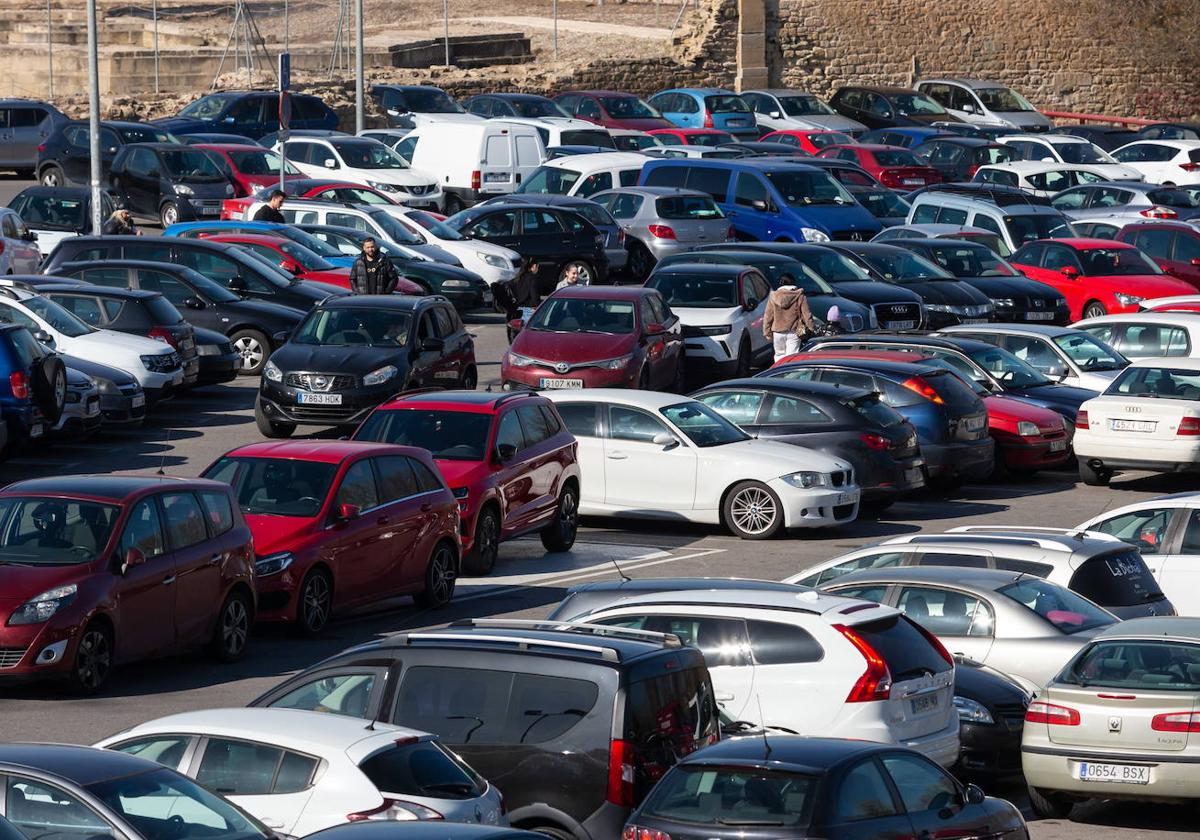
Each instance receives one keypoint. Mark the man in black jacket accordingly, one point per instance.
(373, 273)
(269, 212)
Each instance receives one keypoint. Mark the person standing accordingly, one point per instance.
(788, 320)
(570, 277)
(270, 211)
(373, 273)
(522, 294)
(120, 223)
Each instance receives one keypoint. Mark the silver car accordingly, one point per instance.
(1019, 624)
(659, 221)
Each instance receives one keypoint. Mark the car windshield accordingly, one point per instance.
(1030, 227)
(1067, 611)
(206, 107)
(801, 189)
(367, 154)
(1157, 382)
(1090, 353)
(276, 486)
(426, 101)
(307, 240)
(534, 108)
(799, 106)
(271, 272)
(881, 203)
(53, 213)
(1002, 99)
(57, 317)
(354, 326)
(163, 805)
(434, 225)
(53, 531)
(1007, 368)
(549, 180)
(1082, 153)
(265, 162)
(703, 426)
(214, 291)
(1175, 197)
(628, 107)
(902, 266)
(896, 157)
(915, 104)
(733, 798)
(1136, 665)
(821, 139)
(586, 315)
(1111, 262)
(698, 292)
(680, 207)
(187, 164)
(394, 228)
(448, 435)
(970, 260)
(308, 260)
(833, 267)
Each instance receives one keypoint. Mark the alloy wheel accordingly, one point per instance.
(314, 605)
(251, 351)
(441, 576)
(235, 627)
(753, 510)
(93, 659)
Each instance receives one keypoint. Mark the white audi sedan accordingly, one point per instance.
(663, 456)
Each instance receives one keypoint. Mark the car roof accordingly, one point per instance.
(1177, 362)
(248, 238)
(322, 451)
(798, 599)
(1168, 627)
(861, 359)
(1048, 330)
(789, 752)
(935, 242)
(883, 89)
(233, 147)
(728, 270)
(63, 192)
(116, 487)
(963, 140)
(656, 192)
(1022, 166)
(974, 84)
(98, 291)
(1079, 243)
(946, 342)
(482, 402)
(620, 396)
(598, 158)
(1166, 319)
(777, 164)
(393, 303)
(605, 292)
(81, 765)
(980, 579)
(993, 538)
(778, 384)
(421, 830)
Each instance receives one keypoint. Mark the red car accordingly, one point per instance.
(894, 166)
(597, 337)
(1097, 276)
(100, 570)
(249, 167)
(810, 141)
(612, 109)
(692, 136)
(1175, 246)
(318, 189)
(509, 460)
(341, 525)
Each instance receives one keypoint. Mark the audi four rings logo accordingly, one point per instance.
(898, 310)
(561, 367)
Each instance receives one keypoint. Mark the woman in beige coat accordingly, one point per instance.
(788, 320)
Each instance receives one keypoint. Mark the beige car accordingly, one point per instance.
(1117, 723)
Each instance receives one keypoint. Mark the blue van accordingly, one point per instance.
(770, 200)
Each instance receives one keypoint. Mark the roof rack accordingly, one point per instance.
(594, 631)
(1074, 533)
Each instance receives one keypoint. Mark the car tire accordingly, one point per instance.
(485, 548)
(469, 379)
(641, 262)
(679, 380)
(1049, 806)
(1094, 309)
(752, 511)
(1093, 477)
(440, 575)
(587, 276)
(50, 388)
(644, 377)
(745, 358)
(168, 214)
(233, 628)
(93, 659)
(268, 427)
(560, 534)
(314, 606)
(454, 204)
(53, 176)
(254, 348)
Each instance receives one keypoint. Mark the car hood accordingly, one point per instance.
(871, 291)
(48, 239)
(703, 316)
(272, 315)
(924, 119)
(399, 177)
(204, 336)
(986, 685)
(20, 583)
(276, 533)
(830, 122)
(339, 277)
(1014, 410)
(1065, 399)
(115, 375)
(436, 253)
(572, 347)
(1143, 285)
(104, 340)
(1011, 287)
(181, 125)
(315, 291)
(427, 270)
(1117, 171)
(1023, 118)
(461, 473)
(640, 123)
(767, 459)
(832, 217)
(356, 359)
(948, 292)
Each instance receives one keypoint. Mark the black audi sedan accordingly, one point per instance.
(785, 786)
(352, 353)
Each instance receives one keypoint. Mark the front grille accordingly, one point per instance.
(422, 189)
(320, 382)
(11, 657)
(842, 511)
(839, 478)
(893, 313)
(850, 235)
(322, 412)
(690, 331)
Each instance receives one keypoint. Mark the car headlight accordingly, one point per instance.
(517, 360)
(814, 235)
(208, 349)
(456, 284)
(805, 480)
(1027, 429)
(725, 330)
(1129, 300)
(939, 307)
(184, 189)
(158, 363)
(272, 371)
(107, 386)
(382, 187)
(39, 609)
(272, 564)
(493, 260)
(1004, 303)
(378, 377)
(615, 364)
(972, 711)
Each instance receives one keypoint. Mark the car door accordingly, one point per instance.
(270, 783)
(513, 481)
(1185, 257)
(75, 154)
(428, 359)
(725, 644)
(1178, 568)
(23, 255)
(542, 460)
(750, 211)
(583, 421)
(1054, 259)
(359, 546)
(8, 155)
(404, 498)
(458, 351)
(245, 116)
(145, 589)
(544, 239)
(28, 126)
(964, 624)
(786, 655)
(197, 564)
(755, 291)
(653, 338)
(1153, 529)
(934, 801)
(863, 806)
(631, 454)
(199, 311)
(501, 228)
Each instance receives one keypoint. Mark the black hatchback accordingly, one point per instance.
(64, 158)
(957, 158)
(169, 182)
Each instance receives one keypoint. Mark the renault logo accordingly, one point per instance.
(1114, 724)
(561, 367)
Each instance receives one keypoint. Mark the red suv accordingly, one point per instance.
(1175, 246)
(509, 458)
(97, 570)
(341, 525)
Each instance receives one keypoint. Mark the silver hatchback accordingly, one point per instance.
(660, 221)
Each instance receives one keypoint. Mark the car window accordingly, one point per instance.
(881, 560)
(749, 190)
(581, 418)
(219, 511)
(427, 482)
(945, 558)
(358, 487)
(923, 786)
(422, 768)
(86, 309)
(1145, 665)
(510, 432)
(338, 694)
(740, 407)
(396, 478)
(864, 592)
(241, 768)
(184, 520)
(849, 378)
(787, 410)
(46, 812)
(862, 795)
(143, 530)
(632, 425)
(1144, 528)
(723, 641)
(713, 181)
(539, 221)
(167, 750)
(775, 643)
(534, 424)
(946, 612)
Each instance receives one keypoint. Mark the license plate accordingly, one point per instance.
(1058, 446)
(138, 401)
(900, 325)
(913, 182)
(36, 430)
(319, 399)
(561, 383)
(1129, 774)
(926, 703)
(736, 122)
(489, 298)
(974, 424)
(845, 499)
(93, 409)
(1039, 316)
(1132, 425)
(496, 177)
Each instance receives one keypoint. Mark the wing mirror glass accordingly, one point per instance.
(1056, 370)
(1069, 271)
(665, 440)
(133, 558)
(193, 302)
(974, 795)
(505, 451)
(330, 163)
(346, 512)
(236, 284)
(44, 337)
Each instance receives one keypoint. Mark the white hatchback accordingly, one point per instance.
(1163, 161)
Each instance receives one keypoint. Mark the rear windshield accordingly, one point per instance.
(1116, 580)
(1063, 608)
(733, 796)
(421, 769)
(986, 155)
(1136, 664)
(1031, 227)
(1160, 383)
(587, 137)
(956, 394)
(163, 311)
(877, 412)
(896, 157)
(666, 718)
(903, 647)
(1173, 198)
(681, 207)
(725, 104)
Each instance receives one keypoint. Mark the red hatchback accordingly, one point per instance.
(597, 337)
(612, 109)
(340, 525)
(1097, 276)
(692, 136)
(98, 570)
(249, 167)
(894, 166)
(296, 259)
(509, 459)
(318, 189)
(810, 141)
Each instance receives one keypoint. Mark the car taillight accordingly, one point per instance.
(476, 180)
(708, 120)
(41, 148)
(876, 443)
(918, 384)
(1176, 722)
(1190, 167)
(971, 170)
(875, 682)
(621, 237)
(661, 231)
(397, 810)
(19, 384)
(1040, 711)
(1081, 420)
(163, 334)
(1189, 426)
(731, 234)
(889, 179)
(620, 774)
(633, 832)
(1157, 212)
(935, 641)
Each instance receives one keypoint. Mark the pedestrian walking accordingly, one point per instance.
(270, 211)
(120, 223)
(788, 320)
(373, 273)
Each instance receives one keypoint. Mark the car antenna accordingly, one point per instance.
(624, 577)
(762, 721)
(1079, 532)
(162, 462)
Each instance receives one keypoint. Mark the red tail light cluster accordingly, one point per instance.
(1081, 420)
(19, 384)
(1040, 711)
(1176, 722)
(476, 180)
(1190, 167)
(1157, 212)
(633, 832)
(163, 334)
(708, 120)
(661, 231)
(876, 443)
(876, 681)
(620, 774)
(1189, 426)
(922, 387)
(397, 810)
(971, 170)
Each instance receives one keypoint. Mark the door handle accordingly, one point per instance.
(383, 520)
(270, 823)
(425, 508)
(617, 456)
(167, 581)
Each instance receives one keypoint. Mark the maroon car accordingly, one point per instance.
(597, 337)
(99, 570)
(1175, 246)
(612, 109)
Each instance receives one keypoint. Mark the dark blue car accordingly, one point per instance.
(906, 136)
(33, 387)
(250, 113)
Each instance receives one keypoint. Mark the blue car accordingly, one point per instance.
(33, 387)
(906, 136)
(250, 113)
(707, 108)
(769, 199)
(194, 230)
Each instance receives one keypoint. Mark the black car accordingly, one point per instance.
(399, 102)
(64, 157)
(464, 288)
(957, 158)
(785, 786)
(758, 148)
(597, 214)
(1017, 299)
(848, 423)
(1170, 131)
(250, 113)
(122, 398)
(552, 236)
(220, 361)
(884, 107)
(213, 137)
(947, 299)
(991, 717)
(58, 210)
(882, 203)
(573, 724)
(168, 182)
(352, 353)
(255, 328)
(26, 125)
(244, 273)
(1107, 137)
(513, 105)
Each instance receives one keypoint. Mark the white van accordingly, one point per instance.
(585, 175)
(473, 161)
(565, 131)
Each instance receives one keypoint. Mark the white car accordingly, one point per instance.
(781, 110)
(1148, 419)
(1147, 335)
(720, 308)
(584, 175)
(1041, 178)
(984, 102)
(299, 771)
(494, 263)
(1163, 161)
(155, 364)
(363, 160)
(705, 468)
(866, 671)
(1064, 354)
(369, 218)
(1094, 223)
(564, 131)
(1066, 148)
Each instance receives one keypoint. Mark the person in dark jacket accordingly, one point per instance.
(521, 292)
(269, 212)
(373, 273)
(120, 223)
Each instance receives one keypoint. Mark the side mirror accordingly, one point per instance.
(1057, 371)
(505, 451)
(760, 205)
(330, 163)
(44, 337)
(750, 305)
(974, 795)
(30, 236)
(289, 265)
(655, 329)
(236, 284)
(665, 440)
(516, 325)
(193, 302)
(1069, 271)
(775, 115)
(434, 345)
(968, 108)
(133, 557)
(346, 512)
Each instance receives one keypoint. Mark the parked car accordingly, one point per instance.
(491, 263)
(168, 182)
(1011, 215)
(33, 388)
(1040, 178)
(1174, 247)
(280, 230)
(991, 715)
(1171, 131)
(251, 113)
(583, 175)
(122, 398)
(787, 110)
(632, 140)
(491, 105)
(706, 108)
(19, 252)
(317, 189)
(894, 166)
(405, 105)
(1147, 335)
(1063, 355)
(509, 459)
(1065, 148)
(692, 136)
(615, 248)
(884, 107)
(612, 109)
(421, 830)
(373, 219)
(985, 103)
(959, 158)
(933, 230)
(27, 123)
(907, 137)
(661, 221)
(361, 160)
(214, 137)
(250, 168)
(53, 214)
(1165, 162)
(808, 140)
(298, 260)
(1107, 137)
(1123, 198)
(64, 157)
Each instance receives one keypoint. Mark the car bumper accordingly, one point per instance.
(38, 651)
(617, 257)
(79, 421)
(124, 408)
(816, 508)
(1034, 454)
(1060, 316)
(1172, 775)
(942, 747)
(884, 477)
(966, 459)
(277, 595)
(532, 377)
(1160, 455)
(935, 320)
(199, 209)
(469, 298)
(710, 348)
(217, 369)
(989, 749)
(279, 403)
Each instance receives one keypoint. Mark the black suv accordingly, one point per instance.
(352, 353)
(65, 156)
(574, 724)
(169, 182)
